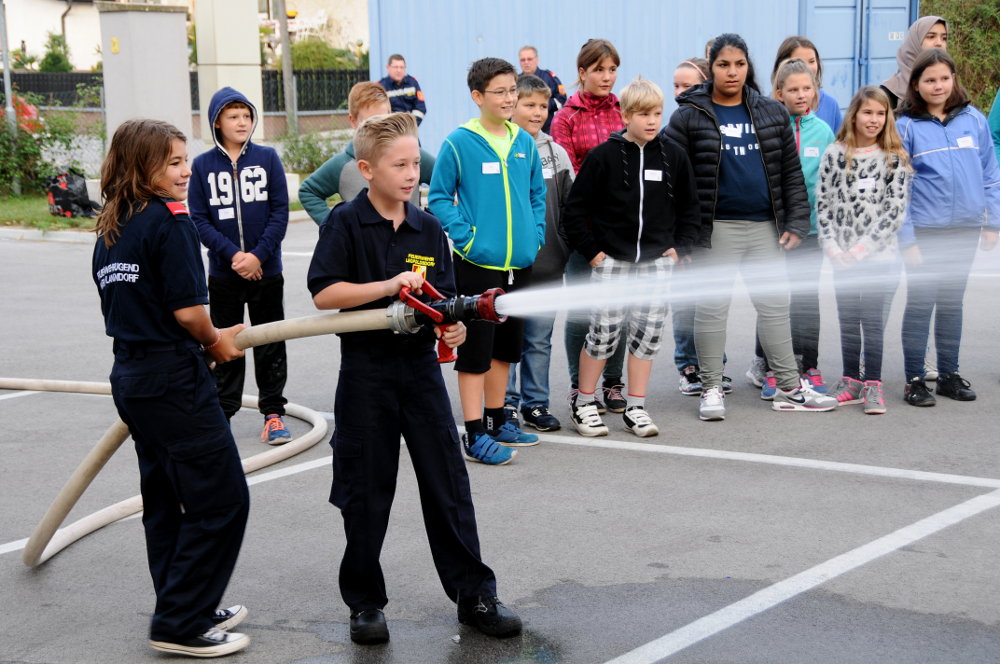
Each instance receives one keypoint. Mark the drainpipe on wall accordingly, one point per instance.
(62, 19)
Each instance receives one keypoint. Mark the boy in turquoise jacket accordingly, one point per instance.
(497, 226)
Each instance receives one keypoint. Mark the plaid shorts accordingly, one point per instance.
(645, 321)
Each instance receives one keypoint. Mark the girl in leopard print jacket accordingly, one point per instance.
(861, 198)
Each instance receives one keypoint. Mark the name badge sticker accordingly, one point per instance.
(866, 183)
(547, 173)
(227, 213)
(654, 175)
(965, 142)
(491, 168)
(810, 151)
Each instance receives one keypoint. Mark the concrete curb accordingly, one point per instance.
(33, 234)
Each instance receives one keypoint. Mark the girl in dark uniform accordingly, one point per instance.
(148, 269)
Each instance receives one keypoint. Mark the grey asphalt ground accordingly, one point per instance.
(770, 537)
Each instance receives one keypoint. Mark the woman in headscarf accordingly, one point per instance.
(926, 32)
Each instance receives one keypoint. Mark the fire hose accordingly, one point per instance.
(404, 316)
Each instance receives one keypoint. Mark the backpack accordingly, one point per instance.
(67, 193)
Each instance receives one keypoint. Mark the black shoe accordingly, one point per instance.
(226, 619)
(916, 393)
(368, 627)
(489, 616)
(510, 414)
(540, 418)
(614, 398)
(213, 643)
(954, 386)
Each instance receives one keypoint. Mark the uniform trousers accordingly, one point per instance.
(384, 392)
(195, 497)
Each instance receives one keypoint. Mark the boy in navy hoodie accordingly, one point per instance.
(238, 199)
(632, 212)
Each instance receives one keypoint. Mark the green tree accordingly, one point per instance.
(973, 26)
(56, 58)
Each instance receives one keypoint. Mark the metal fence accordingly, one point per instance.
(58, 89)
(316, 89)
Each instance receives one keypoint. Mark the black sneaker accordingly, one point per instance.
(226, 619)
(916, 393)
(489, 616)
(510, 414)
(955, 387)
(540, 418)
(368, 627)
(213, 643)
(614, 399)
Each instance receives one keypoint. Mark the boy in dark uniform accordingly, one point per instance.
(149, 274)
(391, 384)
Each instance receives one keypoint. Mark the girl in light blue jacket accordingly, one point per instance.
(954, 206)
(795, 85)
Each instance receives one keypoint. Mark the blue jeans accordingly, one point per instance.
(578, 324)
(937, 287)
(534, 365)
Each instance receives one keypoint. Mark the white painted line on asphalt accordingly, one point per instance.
(13, 546)
(323, 462)
(774, 460)
(15, 395)
(763, 600)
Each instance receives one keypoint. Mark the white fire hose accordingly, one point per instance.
(48, 539)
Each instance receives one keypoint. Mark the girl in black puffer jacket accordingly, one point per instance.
(753, 205)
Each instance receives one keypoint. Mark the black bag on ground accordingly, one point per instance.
(67, 192)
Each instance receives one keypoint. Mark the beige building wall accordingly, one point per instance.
(30, 21)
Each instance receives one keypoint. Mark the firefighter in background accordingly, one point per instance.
(405, 95)
(528, 57)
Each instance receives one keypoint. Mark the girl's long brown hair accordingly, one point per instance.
(139, 152)
(888, 139)
(913, 104)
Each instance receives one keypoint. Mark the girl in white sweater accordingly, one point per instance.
(861, 199)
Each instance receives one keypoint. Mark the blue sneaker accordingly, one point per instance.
(484, 449)
(274, 432)
(770, 387)
(510, 434)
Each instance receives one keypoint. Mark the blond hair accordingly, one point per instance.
(888, 139)
(364, 94)
(790, 67)
(376, 133)
(641, 95)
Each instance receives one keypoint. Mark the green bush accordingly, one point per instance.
(305, 153)
(23, 156)
(973, 26)
(56, 57)
(314, 53)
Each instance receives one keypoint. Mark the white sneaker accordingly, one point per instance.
(638, 421)
(757, 371)
(213, 643)
(930, 371)
(803, 398)
(587, 420)
(712, 406)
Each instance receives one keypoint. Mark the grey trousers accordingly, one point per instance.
(751, 249)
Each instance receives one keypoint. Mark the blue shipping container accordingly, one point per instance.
(857, 40)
